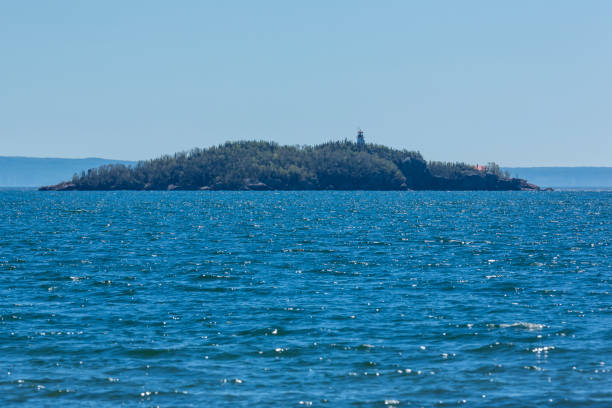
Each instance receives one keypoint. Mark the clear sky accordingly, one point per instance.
(517, 82)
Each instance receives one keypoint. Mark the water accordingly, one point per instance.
(308, 298)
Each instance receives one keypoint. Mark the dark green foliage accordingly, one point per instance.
(263, 165)
(450, 170)
(458, 170)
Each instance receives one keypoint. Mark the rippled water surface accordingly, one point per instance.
(305, 299)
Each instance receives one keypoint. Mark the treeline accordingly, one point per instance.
(457, 170)
(252, 165)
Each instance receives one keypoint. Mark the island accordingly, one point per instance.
(260, 165)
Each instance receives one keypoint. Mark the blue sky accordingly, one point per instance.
(518, 82)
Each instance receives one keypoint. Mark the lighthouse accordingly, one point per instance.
(360, 138)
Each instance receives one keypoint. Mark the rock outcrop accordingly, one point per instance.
(64, 186)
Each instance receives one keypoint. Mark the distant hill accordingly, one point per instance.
(37, 171)
(259, 165)
(564, 177)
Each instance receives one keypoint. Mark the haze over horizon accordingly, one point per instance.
(521, 84)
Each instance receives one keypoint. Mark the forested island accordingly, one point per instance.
(258, 165)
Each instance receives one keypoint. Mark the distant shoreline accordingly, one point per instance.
(579, 177)
(260, 165)
(553, 189)
(32, 172)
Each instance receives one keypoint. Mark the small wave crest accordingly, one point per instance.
(523, 325)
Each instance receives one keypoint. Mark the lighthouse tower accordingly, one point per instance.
(360, 138)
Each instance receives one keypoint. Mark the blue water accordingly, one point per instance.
(331, 299)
